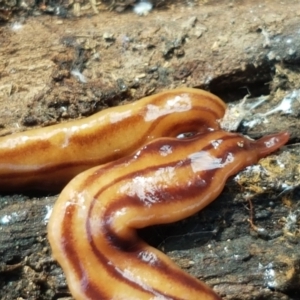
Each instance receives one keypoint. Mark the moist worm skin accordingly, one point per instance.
(92, 229)
(48, 158)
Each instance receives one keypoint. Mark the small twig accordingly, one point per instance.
(262, 232)
(251, 217)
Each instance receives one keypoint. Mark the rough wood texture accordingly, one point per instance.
(224, 47)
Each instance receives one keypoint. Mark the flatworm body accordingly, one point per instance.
(92, 229)
(48, 158)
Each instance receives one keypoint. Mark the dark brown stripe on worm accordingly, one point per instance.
(68, 246)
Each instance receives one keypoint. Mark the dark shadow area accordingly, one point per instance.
(235, 86)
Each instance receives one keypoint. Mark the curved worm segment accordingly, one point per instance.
(92, 229)
(48, 158)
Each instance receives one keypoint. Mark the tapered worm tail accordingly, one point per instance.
(48, 158)
(92, 229)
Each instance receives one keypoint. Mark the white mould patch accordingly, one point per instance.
(5, 219)
(13, 217)
(78, 75)
(48, 213)
(243, 112)
(16, 26)
(285, 188)
(269, 274)
(235, 114)
(248, 171)
(267, 42)
(280, 163)
(254, 122)
(270, 278)
(143, 8)
(285, 106)
(292, 224)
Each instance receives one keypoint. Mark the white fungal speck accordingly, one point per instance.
(252, 123)
(270, 278)
(285, 105)
(250, 170)
(269, 275)
(5, 219)
(48, 213)
(292, 221)
(16, 26)
(242, 112)
(235, 114)
(79, 76)
(280, 163)
(143, 8)
(291, 51)
(13, 217)
(266, 35)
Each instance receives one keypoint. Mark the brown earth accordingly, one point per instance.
(231, 48)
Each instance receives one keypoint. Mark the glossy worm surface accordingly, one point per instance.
(48, 158)
(92, 229)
